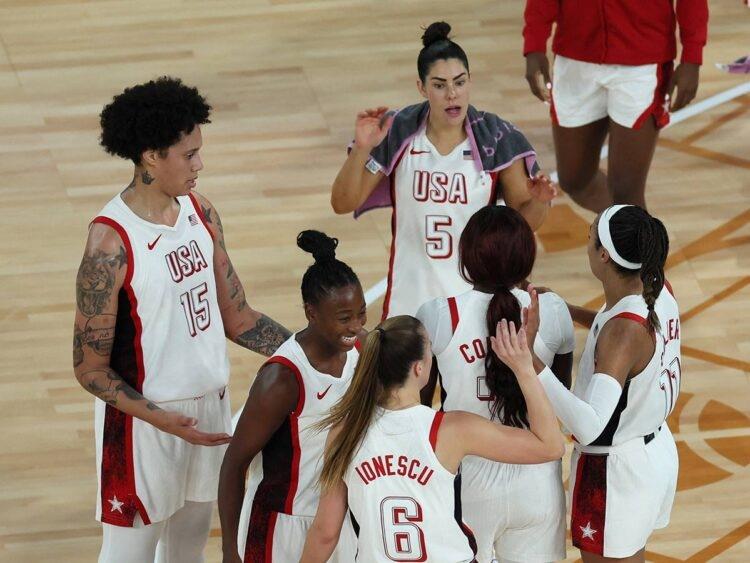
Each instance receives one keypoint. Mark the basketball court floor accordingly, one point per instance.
(285, 78)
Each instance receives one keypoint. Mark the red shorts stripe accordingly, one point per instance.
(589, 504)
(657, 107)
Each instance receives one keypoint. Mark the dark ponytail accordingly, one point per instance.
(638, 237)
(437, 46)
(327, 273)
(497, 252)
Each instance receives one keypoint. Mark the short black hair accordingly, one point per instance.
(151, 116)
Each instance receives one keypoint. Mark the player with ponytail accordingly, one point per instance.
(293, 391)
(624, 464)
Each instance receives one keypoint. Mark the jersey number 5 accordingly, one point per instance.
(195, 305)
(403, 539)
(438, 239)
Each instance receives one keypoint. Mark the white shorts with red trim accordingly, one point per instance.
(586, 92)
(516, 512)
(142, 470)
(622, 493)
(285, 539)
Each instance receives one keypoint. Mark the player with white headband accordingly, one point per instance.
(624, 465)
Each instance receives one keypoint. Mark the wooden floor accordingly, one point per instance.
(285, 78)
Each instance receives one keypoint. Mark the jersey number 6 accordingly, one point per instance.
(402, 538)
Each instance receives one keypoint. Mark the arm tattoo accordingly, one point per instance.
(96, 278)
(98, 334)
(107, 385)
(210, 219)
(265, 337)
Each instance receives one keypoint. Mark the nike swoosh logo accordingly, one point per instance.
(412, 151)
(323, 394)
(221, 393)
(151, 245)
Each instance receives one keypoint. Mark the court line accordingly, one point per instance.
(378, 290)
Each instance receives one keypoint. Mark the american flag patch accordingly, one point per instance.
(193, 219)
(468, 155)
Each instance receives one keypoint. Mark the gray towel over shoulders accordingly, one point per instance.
(495, 144)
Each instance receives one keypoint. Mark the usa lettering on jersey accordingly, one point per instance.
(185, 261)
(440, 187)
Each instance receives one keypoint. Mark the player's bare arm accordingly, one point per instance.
(529, 196)
(326, 526)
(272, 397)
(243, 325)
(99, 281)
(354, 183)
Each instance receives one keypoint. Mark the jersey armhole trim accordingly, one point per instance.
(435, 428)
(454, 313)
(199, 211)
(632, 317)
(286, 362)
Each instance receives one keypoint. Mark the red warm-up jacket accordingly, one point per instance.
(628, 32)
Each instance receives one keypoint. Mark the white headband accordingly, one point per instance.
(606, 238)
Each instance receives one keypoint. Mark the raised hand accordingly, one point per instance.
(537, 75)
(185, 427)
(371, 127)
(512, 349)
(541, 187)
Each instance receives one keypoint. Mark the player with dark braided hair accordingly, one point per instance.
(293, 391)
(624, 465)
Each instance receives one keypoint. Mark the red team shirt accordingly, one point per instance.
(617, 31)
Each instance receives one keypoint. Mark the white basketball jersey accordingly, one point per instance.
(433, 198)
(169, 336)
(293, 458)
(648, 397)
(407, 506)
(462, 362)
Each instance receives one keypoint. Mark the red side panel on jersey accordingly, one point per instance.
(454, 313)
(199, 211)
(119, 498)
(435, 428)
(276, 492)
(589, 504)
(392, 178)
(494, 190)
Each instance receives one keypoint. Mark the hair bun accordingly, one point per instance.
(320, 245)
(437, 31)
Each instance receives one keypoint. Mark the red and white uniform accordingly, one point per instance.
(277, 514)
(515, 511)
(433, 198)
(407, 506)
(170, 346)
(614, 58)
(623, 483)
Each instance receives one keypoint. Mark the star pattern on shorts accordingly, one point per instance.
(588, 531)
(116, 504)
